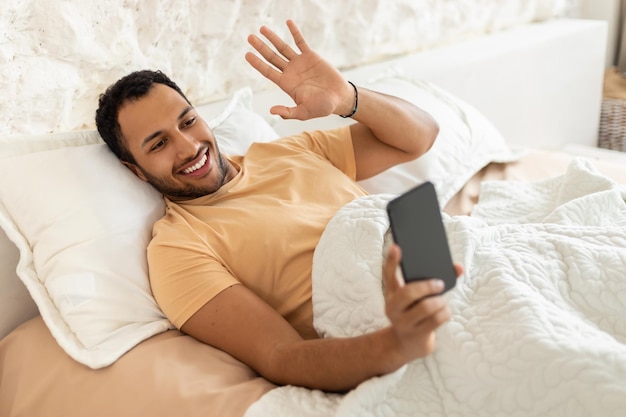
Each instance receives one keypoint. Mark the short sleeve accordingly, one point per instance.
(184, 276)
(335, 145)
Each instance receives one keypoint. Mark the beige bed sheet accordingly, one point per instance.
(172, 374)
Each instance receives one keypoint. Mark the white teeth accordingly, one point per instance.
(197, 166)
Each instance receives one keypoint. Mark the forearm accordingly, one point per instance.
(389, 131)
(238, 322)
(396, 122)
(415, 311)
(335, 364)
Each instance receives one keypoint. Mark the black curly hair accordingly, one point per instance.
(130, 87)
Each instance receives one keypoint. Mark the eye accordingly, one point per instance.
(189, 122)
(158, 145)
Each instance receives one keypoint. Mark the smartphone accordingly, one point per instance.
(417, 227)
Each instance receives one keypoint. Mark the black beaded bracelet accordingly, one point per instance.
(356, 101)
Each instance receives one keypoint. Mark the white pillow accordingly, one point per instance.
(16, 305)
(466, 143)
(81, 222)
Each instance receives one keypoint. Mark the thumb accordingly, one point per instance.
(284, 112)
(391, 279)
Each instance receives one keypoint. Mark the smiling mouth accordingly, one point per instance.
(197, 166)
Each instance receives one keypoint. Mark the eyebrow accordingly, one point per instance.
(151, 137)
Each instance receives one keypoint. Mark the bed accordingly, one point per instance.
(532, 208)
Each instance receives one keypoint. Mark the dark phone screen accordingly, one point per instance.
(417, 227)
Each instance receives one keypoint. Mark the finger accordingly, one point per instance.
(429, 310)
(434, 320)
(426, 308)
(418, 293)
(281, 46)
(268, 53)
(284, 112)
(297, 36)
(420, 289)
(263, 68)
(459, 270)
(391, 279)
(423, 317)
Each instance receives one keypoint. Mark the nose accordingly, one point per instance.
(186, 146)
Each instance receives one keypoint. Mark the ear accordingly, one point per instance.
(135, 170)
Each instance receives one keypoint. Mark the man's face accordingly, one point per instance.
(173, 147)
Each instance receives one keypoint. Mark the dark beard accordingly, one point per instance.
(189, 192)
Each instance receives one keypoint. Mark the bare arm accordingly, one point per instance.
(389, 130)
(238, 322)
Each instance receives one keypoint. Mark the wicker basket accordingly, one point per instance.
(612, 133)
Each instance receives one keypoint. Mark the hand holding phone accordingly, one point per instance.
(417, 228)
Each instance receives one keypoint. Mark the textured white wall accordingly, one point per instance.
(56, 56)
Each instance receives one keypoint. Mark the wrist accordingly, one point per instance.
(392, 356)
(355, 102)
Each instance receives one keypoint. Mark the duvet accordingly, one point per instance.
(539, 316)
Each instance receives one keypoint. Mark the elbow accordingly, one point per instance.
(431, 135)
(425, 138)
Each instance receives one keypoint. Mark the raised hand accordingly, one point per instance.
(317, 88)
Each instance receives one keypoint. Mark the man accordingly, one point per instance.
(230, 263)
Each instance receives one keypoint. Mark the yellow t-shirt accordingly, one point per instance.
(260, 229)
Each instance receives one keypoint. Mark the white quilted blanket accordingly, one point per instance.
(539, 318)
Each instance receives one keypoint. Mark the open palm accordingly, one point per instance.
(316, 87)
